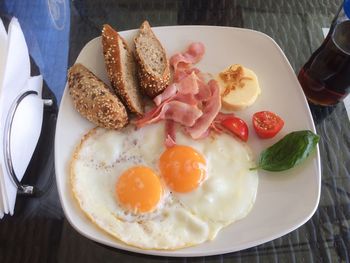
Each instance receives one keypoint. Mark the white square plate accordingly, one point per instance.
(285, 200)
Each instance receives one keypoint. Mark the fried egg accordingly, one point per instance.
(151, 197)
(229, 191)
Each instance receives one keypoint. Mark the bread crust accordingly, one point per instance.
(94, 100)
(150, 83)
(112, 55)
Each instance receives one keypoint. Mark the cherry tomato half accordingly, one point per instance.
(237, 127)
(267, 124)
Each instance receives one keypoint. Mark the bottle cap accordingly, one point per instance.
(347, 8)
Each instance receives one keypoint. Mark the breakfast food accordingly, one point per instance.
(267, 124)
(121, 69)
(237, 127)
(239, 87)
(190, 100)
(155, 195)
(151, 197)
(153, 65)
(151, 194)
(94, 100)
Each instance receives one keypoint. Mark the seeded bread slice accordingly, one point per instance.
(95, 100)
(153, 65)
(121, 68)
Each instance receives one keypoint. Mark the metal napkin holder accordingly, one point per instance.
(23, 189)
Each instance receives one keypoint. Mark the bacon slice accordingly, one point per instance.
(167, 94)
(181, 113)
(177, 103)
(189, 101)
(221, 116)
(177, 111)
(183, 91)
(192, 55)
(210, 109)
(170, 134)
(148, 117)
(189, 84)
(180, 74)
(205, 91)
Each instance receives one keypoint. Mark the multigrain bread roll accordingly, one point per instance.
(121, 69)
(94, 100)
(153, 65)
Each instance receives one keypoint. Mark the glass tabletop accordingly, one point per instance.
(56, 31)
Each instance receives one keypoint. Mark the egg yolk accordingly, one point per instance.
(182, 168)
(139, 189)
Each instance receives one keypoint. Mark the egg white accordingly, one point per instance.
(97, 163)
(180, 220)
(230, 189)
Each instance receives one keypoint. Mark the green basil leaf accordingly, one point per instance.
(291, 150)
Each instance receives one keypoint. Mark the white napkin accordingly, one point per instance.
(28, 119)
(3, 51)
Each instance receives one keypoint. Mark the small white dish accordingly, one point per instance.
(285, 200)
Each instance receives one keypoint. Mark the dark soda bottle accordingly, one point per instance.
(325, 78)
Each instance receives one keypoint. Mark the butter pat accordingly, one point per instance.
(239, 87)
